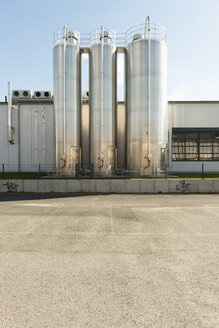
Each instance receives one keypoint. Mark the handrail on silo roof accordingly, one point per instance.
(157, 32)
(95, 36)
(61, 36)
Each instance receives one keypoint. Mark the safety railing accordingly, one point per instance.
(85, 40)
(66, 35)
(108, 35)
(144, 31)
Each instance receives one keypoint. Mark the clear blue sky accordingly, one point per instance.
(26, 32)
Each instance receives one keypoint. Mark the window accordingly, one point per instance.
(195, 144)
(185, 145)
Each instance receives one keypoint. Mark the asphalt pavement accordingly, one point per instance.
(109, 261)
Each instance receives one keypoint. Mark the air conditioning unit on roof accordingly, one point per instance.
(42, 95)
(21, 94)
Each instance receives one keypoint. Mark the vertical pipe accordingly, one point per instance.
(19, 138)
(116, 109)
(79, 66)
(149, 90)
(64, 114)
(126, 109)
(102, 100)
(147, 25)
(44, 136)
(90, 102)
(35, 138)
(9, 111)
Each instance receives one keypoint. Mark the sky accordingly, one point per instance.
(27, 27)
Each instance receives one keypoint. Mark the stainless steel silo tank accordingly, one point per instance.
(146, 99)
(66, 74)
(103, 102)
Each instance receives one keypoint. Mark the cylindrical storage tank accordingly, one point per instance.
(146, 99)
(103, 102)
(66, 74)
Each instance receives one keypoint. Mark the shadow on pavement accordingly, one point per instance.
(4, 197)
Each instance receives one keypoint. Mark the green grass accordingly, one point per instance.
(21, 175)
(197, 175)
(37, 175)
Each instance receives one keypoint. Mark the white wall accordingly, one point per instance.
(192, 114)
(182, 114)
(21, 154)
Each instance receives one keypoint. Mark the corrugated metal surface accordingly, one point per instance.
(29, 122)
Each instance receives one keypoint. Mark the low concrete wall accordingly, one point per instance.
(156, 186)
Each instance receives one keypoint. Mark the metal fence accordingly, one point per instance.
(80, 170)
(27, 168)
(106, 170)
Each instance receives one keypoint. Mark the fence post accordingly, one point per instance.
(202, 170)
(39, 168)
(77, 170)
(3, 171)
(92, 170)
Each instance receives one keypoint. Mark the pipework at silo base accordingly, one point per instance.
(152, 165)
(88, 171)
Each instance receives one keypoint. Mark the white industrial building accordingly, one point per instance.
(193, 135)
(33, 135)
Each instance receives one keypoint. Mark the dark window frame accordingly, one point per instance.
(199, 137)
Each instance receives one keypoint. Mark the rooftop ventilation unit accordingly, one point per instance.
(42, 95)
(21, 94)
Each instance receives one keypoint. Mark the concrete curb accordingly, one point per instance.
(150, 186)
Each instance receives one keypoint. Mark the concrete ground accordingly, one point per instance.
(109, 261)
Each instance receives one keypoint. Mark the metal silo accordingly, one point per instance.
(146, 98)
(102, 101)
(66, 73)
